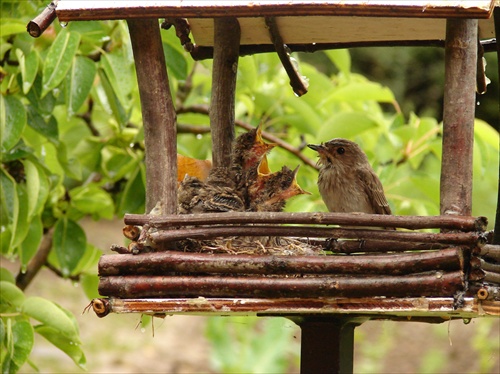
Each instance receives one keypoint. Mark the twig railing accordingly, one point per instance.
(358, 259)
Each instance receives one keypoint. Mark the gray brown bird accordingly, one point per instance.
(269, 192)
(346, 181)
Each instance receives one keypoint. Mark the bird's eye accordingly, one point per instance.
(340, 150)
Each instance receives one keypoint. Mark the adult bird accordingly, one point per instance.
(346, 181)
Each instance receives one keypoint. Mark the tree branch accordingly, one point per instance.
(23, 279)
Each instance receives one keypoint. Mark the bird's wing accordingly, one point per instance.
(221, 200)
(374, 188)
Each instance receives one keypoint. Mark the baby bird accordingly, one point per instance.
(346, 181)
(216, 195)
(269, 192)
(249, 150)
(248, 158)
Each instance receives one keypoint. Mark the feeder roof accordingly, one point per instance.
(299, 21)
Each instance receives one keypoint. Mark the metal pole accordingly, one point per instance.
(158, 115)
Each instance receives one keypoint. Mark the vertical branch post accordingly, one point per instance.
(458, 116)
(496, 17)
(158, 114)
(225, 66)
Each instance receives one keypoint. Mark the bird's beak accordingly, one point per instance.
(259, 140)
(263, 166)
(295, 185)
(320, 148)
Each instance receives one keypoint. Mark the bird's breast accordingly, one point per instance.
(342, 191)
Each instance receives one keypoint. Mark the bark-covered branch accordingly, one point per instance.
(434, 284)
(203, 233)
(462, 223)
(23, 279)
(180, 262)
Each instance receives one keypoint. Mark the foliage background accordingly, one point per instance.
(72, 151)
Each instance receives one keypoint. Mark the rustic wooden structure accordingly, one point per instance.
(456, 272)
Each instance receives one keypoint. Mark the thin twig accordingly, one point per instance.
(298, 84)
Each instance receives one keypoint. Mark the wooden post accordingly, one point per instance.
(458, 116)
(158, 114)
(496, 17)
(225, 67)
(327, 345)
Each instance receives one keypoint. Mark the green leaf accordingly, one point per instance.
(117, 162)
(14, 211)
(175, 61)
(91, 199)
(360, 91)
(12, 121)
(79, 81)
(117, 66)
(37, 187)
(68, 346)
(44, 105)
(345, 125)
(8, 199)
(341, 58)
(31, 242)
(6, 275)
(29, 68)
(12, 26)
(11, 296)
(48, 128)
(90, 284)
(59, 59)
(70, 165)
(22, 224)
(311, 120)
(53, 316)
(88, 262)
(22, 339)
(69, 243)
(113, 100)
(134, 195)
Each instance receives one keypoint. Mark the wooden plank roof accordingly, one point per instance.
(68, 10)
(299, 21)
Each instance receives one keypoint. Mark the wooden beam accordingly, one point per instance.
(458, 116)
(158, 115)
(68, 10)
(225, 68)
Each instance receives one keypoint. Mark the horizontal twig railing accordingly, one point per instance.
(162, 263)
(133, 286)
(448, 222)
(202, 233)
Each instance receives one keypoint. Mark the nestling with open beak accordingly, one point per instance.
(249, 150)
(269, 192)
(346, 181)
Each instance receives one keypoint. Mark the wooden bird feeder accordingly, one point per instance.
(395, 275)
